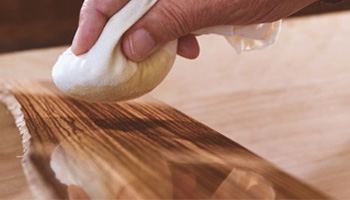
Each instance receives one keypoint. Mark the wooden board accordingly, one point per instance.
(136, 149)
(297, 99)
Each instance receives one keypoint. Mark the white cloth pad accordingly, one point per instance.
(105, 74)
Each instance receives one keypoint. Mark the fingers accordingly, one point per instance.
(188, 47)
(167, 20)
(172, 19)
(93, 17)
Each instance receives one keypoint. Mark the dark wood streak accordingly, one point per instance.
(148, 144)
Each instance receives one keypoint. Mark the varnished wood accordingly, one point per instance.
(288, 103)
(137, 149)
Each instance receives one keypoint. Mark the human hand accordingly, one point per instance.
(176, 19)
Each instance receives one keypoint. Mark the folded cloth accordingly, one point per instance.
(106, 74)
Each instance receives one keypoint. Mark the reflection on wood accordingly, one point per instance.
(137, 149)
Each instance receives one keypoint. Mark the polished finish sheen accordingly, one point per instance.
(289, 103)
(137, 149)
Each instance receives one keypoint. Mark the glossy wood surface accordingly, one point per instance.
(288, 103)
(138, 149)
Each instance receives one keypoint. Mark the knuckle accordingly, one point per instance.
(85, 9)
(109, 7)
(106, 8)
(176, 19)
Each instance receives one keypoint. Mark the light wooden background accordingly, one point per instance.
(290, 103)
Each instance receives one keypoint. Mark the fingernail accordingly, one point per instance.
(141, 44)
(75, 43)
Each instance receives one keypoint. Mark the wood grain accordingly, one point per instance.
(137, 149)
(288, 104)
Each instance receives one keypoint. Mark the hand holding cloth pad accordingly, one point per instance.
(106, 74)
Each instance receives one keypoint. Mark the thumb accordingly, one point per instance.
(166, 21)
